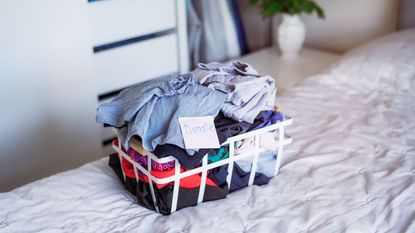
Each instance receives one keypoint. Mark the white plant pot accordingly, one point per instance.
(291, 34)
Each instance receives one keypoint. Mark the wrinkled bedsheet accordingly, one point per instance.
(351, 167)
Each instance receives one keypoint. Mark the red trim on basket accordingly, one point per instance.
(189, 182)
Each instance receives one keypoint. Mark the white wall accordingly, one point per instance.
(258, 30)
(47, 94)
(406, 17)
(350, 23)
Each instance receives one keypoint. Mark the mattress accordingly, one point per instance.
(351, 167)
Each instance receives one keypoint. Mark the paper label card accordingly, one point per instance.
(199, 132)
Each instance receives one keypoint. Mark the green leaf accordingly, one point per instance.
(296, 3)
(320, 12)
(308, 7)
(272, 7)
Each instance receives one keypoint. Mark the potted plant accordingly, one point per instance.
(291, 32)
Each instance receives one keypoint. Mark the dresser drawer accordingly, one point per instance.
(123, 66)
(116, 20)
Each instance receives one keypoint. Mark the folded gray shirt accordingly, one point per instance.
(151, 109)
(248, 93)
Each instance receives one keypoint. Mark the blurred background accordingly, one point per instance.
(60, 58)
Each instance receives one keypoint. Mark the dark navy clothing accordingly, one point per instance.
(240, 178)
(187, 197)
(266, 118)
(225, 128)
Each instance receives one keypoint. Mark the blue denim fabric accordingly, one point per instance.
(151, 109)
(248, 93)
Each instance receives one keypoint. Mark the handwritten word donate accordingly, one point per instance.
(198, 129)
(199, 132)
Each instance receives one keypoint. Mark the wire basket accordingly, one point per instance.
(276, 129)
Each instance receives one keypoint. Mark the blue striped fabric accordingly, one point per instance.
(239, 27)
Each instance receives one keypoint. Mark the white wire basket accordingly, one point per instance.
(277, 129)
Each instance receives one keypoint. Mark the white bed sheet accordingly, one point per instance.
(351, 167)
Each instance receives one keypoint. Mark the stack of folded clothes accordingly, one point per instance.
(241, 101)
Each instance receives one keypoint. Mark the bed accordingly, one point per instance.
(351, 167)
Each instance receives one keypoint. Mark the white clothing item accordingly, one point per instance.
(267, 141)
